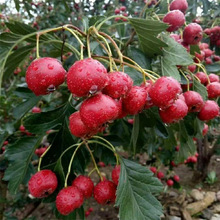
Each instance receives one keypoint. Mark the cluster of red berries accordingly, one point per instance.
(192, 159)
(160, 176)
(44, 183)
(122, 11)
(40, 151)
(214, 34)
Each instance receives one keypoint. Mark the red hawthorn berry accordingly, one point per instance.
(192, 34)
(205, 129)
(131, 121)
(117, 11)
(69, 199)
(118, 85)
(193, 159)
(208, 52)
(85, 184)
(216, 58)
(177, 111)
(177, 148)
(176, 178)
(213, 90)
(36, 109)
(90, 209)
(213, 78)
(135, 100)
(194, 101)
(196, 154)
(87, 213)
(202, 77)
(42, 183)
(87, 76)
(101, 164)
(105, 192)
(165, 91)
(181, 5)
(172, 163)
(199, 57)
(5, 143)
(203, 46)
(40, 151)
(77, 127)
(153, 170)
(44, 75)
(160, 175)
(175, 19)
(98, 110)
(122, 8)
(208, 61)
(116, 174)
(209, 111)
(22, 128)
(176, 37)
(192, 68)
(170, 182)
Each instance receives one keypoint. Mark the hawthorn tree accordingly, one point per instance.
(83, 84)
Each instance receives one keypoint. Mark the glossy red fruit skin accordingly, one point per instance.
(77, 127)
(118, 85)
(213, 90)
(86, 76)
(44, 75)
(69, 199)
(181, 5)
(202, 77)
(105, 192)
(192, 34)
(192, 68)
(42, 184)
(135, 100)
(85, 184)
(164, 91)
(175, 112)
(98, 110)
(36, 110)
(116, 174)
(160, 175)
(208, 52)
(209, 111)
(205, 129)
(153, 170)
(213, 77)
(175, 19)
(170, 182)
(176, 178)
(194, 101)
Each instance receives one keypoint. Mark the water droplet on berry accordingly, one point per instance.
(50, 66)
(93, 89)
(35, 68)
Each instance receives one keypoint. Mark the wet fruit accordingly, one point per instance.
(181, 5)
(213, 90)
(192, 34)
(116, 174)
(42, 183)
(44, 75)
(209, 111)
(194, 101)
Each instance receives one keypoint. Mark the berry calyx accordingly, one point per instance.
(135, 100)
(164, 91)
(69, 199)
(170, 182)
(192, 34)
(181, 5)
(209, 111)
(86, 77)
(44, 75)
(193, 100)
(104, 192)
(42, 183)
(77, 127)
(175, 19)
(116, 174)
(85, 184)
(98, 110)
(119, 84)
(177, 111)
(213, 90)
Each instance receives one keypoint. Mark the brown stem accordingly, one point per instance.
(3, 194)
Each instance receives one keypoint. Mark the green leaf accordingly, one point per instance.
(187, 146)
(135, 133)
(147, 31)
(134, 74)
(201, 89)
(20, 28)
(135, 193)
(44, 121)
(173, 55)
(19, 154)
(213, 68)
(15, 59)
(193, 49)
(139, 57)
(17, 5)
